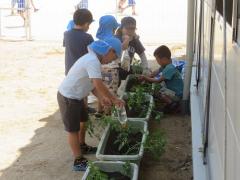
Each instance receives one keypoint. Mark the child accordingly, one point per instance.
(85, 77)
(22, 9)
(133, 45)
(76, 40)
(172, 93)
(107, 27)
(131, 3)
(83, 4)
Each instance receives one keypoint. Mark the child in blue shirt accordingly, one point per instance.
(172, 90)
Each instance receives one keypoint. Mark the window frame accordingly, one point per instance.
(236, 21)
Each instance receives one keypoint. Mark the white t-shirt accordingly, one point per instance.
(77, 84)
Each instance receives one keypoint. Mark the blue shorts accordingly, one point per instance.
(131, 2)
(21, 5)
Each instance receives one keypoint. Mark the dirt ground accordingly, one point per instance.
(32, 140)
(176, 162)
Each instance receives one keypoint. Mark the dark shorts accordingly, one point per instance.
(73, 112)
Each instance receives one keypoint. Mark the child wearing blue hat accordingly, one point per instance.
(85, 77)
(107, 27)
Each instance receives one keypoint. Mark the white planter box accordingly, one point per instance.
(113, 166)
(149, 111)
(138, 124)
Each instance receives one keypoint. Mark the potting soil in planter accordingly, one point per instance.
(112, 148)
(134, 112)
(132, 82)
(116, 176)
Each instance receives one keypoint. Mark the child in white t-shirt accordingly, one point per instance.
(84, 77)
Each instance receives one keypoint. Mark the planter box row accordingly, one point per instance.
(111, 156)
(114, 167)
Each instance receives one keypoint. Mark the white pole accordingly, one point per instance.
(28, 21)
(189, 53)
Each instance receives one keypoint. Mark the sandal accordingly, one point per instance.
(80, 164)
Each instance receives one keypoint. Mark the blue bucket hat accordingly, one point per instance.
(102, 47)
(116, 44)
(107, 24)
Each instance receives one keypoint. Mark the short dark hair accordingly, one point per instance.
(82, 16)
(162, 51)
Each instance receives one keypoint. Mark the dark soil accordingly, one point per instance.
(116, 176)
(132, 83)
(112, 147)
(137, 112)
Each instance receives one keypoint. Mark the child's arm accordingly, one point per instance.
(102, 100)
(144, 62)
(152, 80)
(154, 73)
(126, 39)
(105, 93)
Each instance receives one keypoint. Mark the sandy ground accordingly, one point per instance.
(32, 140)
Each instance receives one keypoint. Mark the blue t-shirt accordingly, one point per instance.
(173, 79)
(75, 42)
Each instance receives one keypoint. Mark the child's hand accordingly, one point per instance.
(141, 77)
(106, 102)
(126, 40)
(118, 102)
(152, 75)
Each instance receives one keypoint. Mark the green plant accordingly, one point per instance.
(136, 66)
(123, 140)
(136, 100)
(127, 168)
(123, 132)
(156, 114)
(90, 127)
(155, 144)
(146, 87)
(95, 173)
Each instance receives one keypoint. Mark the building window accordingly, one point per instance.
(238, 22)
(229, 10)
(219, 6)
(236, 28)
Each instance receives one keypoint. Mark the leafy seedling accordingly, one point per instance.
(95, 173)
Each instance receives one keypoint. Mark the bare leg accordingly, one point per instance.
(34, 7)
(133, 10)
(166, 99)
(22, 14)
(74, 143)
(82, 132)
(13, 2)
(120, 5)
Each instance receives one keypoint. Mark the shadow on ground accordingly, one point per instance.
(47, 156)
